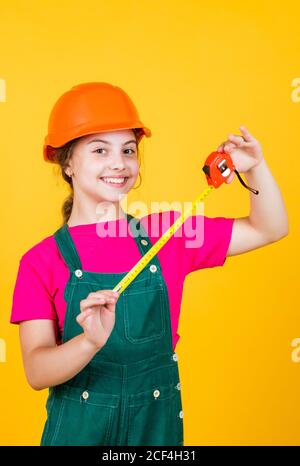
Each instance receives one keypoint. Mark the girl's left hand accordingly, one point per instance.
(245, 151)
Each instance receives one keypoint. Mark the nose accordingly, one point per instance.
(117, 161)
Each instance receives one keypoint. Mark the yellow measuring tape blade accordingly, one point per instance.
(141, 264)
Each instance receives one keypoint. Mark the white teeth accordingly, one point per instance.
(114, 180)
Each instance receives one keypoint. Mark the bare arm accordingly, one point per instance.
(47, 364)
(268, 219)
(245, 237)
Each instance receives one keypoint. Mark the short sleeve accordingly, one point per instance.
(31, 298)
(206, 241)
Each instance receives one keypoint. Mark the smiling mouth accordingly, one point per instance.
(116, 182)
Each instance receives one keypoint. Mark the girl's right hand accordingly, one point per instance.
(97, 317)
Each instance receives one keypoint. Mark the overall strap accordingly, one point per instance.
(67, 248)
(141, 238)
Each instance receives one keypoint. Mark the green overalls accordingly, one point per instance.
(129, 393)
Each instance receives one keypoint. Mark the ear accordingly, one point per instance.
(68, 172)
(68, 168)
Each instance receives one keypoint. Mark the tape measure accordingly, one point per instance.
(217, 168)
(141, 264)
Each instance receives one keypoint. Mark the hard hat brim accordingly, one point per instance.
(49, 150)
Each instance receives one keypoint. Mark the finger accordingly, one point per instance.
(111, 306)
(83, 315)
(221, 147)
(246, 134)
(238, 140)
(110, 293)
(230, 177)
(112, 296)
(105, 292)
(100, 300)
(228, 147)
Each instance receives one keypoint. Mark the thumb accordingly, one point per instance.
(230, 178)
(83, 315)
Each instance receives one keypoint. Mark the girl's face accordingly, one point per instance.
(105, 165)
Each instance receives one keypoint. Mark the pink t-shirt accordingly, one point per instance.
(199, 243)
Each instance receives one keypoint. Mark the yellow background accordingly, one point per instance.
(196, 72)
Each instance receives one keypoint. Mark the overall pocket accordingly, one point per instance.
(154, 417)
(79, 416)
(143, 313)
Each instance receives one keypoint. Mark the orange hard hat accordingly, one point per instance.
(90, 108)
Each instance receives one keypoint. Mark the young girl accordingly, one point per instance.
(109, 360)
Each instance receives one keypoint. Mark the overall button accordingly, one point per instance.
(178, 386)
(144, 242)
(78, 273)
(153, 268)
(181, 414)
(85, 395)
(175, 357)
(156, 393)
